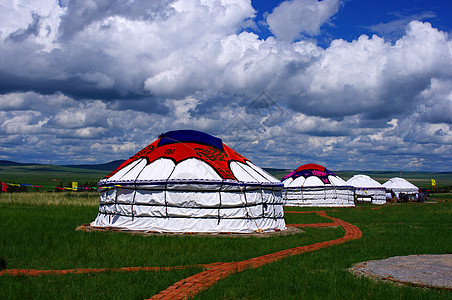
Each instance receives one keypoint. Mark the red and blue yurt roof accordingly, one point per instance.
(312, 175)
(308, 170)
(188, 155)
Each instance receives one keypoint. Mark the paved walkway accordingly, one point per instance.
(428, 270)
(215, 272)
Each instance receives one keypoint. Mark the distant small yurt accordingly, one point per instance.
(189, 181)
(314, 185)
(399, 185)
(368, 189)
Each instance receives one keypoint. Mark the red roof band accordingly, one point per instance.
(198, 147)
(311, 167)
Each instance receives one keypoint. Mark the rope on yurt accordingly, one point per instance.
(116, 201)
(262, 202)
(302, 195)
(219, 207)
(258, 230)
(133, 199)
(334, 192)
(164, 195)
(166, 191)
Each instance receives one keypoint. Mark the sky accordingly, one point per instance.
(348, 84)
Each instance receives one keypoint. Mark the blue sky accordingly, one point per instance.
(363, 85)
(355, 18)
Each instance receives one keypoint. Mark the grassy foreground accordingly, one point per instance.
(37, 230)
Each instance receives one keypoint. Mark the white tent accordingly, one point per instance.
(399, 185)
(314, 185)
(368, 189)
(189, 181)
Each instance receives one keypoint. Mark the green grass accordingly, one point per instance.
(391, 231)
(442, 197)
(108, 285)
(37, 230)
(50, 175)
(294, 218)
(48, 240)
(51, 198)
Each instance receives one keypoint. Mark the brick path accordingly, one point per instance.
(214, 272)
(32, 272)
(193, 285)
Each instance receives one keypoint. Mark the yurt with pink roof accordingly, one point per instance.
(314, 185)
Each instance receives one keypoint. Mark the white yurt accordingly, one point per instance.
(399, 185)
(189, 181)
(368, 189)
(314, 185)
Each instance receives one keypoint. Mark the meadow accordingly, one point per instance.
(38, 232)
(89, 175)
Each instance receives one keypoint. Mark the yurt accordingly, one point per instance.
(399, 185)
(190, 182)
(368, 189)
(314, 185)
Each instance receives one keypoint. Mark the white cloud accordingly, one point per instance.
(373, 76)
(37, 20)
(436, 102)
(110, 76)
(291, 19)
(27, 122)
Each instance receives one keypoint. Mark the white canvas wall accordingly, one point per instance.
(323, 196)
(207, 209)
(311, 191)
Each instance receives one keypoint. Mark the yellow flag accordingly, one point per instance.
(74, 185)
(434, 182)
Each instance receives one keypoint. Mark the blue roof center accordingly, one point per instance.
(189, 136)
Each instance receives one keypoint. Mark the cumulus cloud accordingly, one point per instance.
(375, 77)
(294, 18)
(47, 134)
(81, 14)
(103, 78)
(436, 102)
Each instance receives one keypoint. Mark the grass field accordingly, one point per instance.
(54, 175)
(38, 232)
(50, 175)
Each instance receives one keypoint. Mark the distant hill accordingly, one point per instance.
(7, 163)
(101, 167)
(110, 166)
(278, 173)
